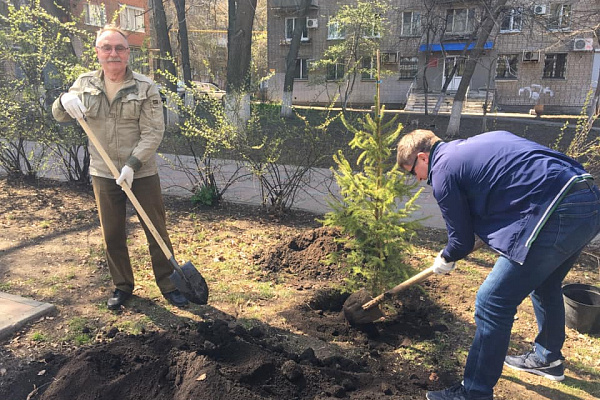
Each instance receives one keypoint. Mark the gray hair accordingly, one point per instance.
(417, 141)
(110, 28)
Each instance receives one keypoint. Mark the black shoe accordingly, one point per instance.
(529, 362)
(456, 392)
(176, 298)
(117, 299)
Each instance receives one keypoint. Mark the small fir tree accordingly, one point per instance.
(375, 230)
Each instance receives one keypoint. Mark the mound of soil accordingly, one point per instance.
(224, 359)
(304, 255)
(217, 360)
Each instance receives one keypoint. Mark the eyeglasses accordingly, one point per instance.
(107, 49)
(412, 170)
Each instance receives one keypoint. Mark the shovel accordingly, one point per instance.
(360, 308)
(186, 278)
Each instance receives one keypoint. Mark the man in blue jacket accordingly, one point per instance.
(537, 208)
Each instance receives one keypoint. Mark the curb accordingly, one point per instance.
(18, 311)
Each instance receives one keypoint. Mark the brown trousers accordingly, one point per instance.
(111, 203)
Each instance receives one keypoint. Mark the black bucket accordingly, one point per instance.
(582, 307)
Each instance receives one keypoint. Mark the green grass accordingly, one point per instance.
(79, 331)
(45, 224)
(39, 337)
(134, 327)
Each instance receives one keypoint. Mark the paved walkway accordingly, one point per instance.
(313, 195)
(16, 311)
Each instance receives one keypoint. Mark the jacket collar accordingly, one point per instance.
(431, 156)
(98, 79)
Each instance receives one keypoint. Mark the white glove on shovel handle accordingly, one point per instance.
(126, 176)
(441, 266)
(72, 105)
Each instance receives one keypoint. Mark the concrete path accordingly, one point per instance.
(313, 196)
(16, 311)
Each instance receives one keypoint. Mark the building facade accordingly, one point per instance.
(539, 53)
(132, 16)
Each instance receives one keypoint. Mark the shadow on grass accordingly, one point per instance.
(574, 385)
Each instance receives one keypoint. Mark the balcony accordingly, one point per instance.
(291, 4)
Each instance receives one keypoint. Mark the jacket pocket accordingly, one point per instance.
(131, 106)
(91, 99)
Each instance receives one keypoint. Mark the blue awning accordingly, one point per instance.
(452, 46)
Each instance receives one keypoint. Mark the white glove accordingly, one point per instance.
(72, 105)
(126, 176)
(441, 266)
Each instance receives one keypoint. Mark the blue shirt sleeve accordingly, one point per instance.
(454, 206)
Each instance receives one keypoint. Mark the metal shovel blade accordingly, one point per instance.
(354, 312)
(190, 283)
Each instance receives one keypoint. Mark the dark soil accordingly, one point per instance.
(222, 359)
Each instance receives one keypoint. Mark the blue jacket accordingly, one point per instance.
(500, 187)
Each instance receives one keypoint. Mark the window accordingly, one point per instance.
(301, 71)
(334, 31)
(512, 21)
(506, 68)
(335, 72)
(369, 69)
(560, 17)
(132, 18)
(411, 24)
(555, 65)
(460, 20)
(408, 67)
(290, 24)
(95, 14)
(373, 30)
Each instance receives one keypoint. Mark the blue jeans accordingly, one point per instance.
(572, 225)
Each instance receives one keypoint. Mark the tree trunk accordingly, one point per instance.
(183, 41)
(286, 104)
(594, 109)
(239, 43)
(491, 16)
(288, 83)
(164, 44)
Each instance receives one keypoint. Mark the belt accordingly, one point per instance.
(581, 185)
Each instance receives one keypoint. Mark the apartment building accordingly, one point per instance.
(540, 52)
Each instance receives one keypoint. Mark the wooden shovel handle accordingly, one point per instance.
(136, 204)
(421, 276)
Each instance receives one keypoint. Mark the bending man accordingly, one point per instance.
(537, 208)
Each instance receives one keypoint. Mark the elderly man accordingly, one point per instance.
(537, 208)
(124, 110)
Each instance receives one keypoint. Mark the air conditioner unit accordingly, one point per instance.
(539, 9)
(389, 58)
(581, 44)
(312, 23)
(531, 55)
